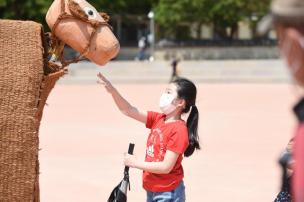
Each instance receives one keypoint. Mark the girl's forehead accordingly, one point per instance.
(172, 87)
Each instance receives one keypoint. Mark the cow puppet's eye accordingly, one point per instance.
(90, 12)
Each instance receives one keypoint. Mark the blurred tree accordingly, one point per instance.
(255, 11)
(174, 17)
(123, 6)
(224, 15)
(24, 10)
(169, 15)
(36, 9)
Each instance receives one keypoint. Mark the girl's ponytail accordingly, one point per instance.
(192, 125)
(187, 90)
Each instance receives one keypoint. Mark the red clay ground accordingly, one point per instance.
(243, 129)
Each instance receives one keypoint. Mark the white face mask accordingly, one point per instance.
(165, 103)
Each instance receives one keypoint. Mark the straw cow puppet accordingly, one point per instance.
(30, 64)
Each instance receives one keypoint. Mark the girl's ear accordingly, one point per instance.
(181, 103)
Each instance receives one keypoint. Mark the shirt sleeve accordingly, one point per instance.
(151, 118)
(178, 140)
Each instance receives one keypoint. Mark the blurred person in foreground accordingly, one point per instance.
(287, 17)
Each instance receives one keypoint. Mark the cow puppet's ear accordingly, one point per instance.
(105, 16)
(76, 10)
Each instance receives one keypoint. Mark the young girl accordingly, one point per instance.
(170, 138)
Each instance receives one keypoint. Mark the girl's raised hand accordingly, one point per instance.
(105, 82)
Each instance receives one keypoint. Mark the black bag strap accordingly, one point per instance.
(126, 171)
(130, 151)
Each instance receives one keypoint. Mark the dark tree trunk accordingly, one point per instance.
(234, 31)
(199, 30)
(220, 32)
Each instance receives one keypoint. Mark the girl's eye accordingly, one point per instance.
(167, 90)
(90, 12)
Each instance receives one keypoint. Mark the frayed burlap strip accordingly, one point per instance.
(24, 89)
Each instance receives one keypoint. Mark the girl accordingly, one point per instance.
(170, 138)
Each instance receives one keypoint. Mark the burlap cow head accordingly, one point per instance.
(78, 24)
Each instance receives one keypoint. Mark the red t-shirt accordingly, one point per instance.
(171, 136)
(298, 176)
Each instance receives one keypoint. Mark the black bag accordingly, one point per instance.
(119, 193)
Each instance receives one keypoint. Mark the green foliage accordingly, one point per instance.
(255, 12)
(29, 9)
(172, 16)
(222, 14)
(123, 6)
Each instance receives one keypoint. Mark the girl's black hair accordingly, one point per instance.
(186, 90)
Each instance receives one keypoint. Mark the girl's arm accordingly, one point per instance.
(123, 105)
(163, 167)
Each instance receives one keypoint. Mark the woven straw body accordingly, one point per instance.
(23, 91)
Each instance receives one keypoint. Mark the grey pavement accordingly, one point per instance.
(208, 71)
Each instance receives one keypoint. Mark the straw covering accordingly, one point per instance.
(24, 88)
